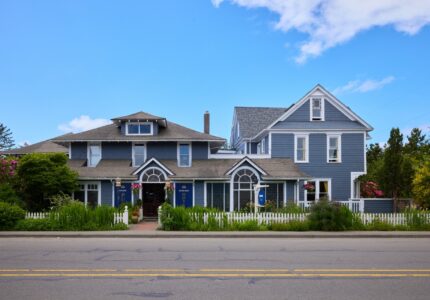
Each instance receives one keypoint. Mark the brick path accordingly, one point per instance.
(144, 226)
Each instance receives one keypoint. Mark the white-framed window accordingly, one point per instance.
(322, 189)
(139, 154)
(139, 128)
(301, 148)
(263, 146)
(184, 154)
(317, 109)
(334, 148)
(94, 154)
(237, 131)
(243, 187)
(88, 193)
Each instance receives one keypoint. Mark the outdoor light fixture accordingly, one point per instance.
(118, 182)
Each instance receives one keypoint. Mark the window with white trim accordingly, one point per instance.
(263, 146)
(333, 148)
(88, 193)
(184, 155)
(317, 113)
(139, 128)
(218, 195)
(301, 151)
(320, 190)
(243, 188)
(94, 154)
(138, 154)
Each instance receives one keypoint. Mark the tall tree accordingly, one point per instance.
(6, 140)
(416, 142)
(392, 176)
(421, 185)
(374, 152)
(44, 175)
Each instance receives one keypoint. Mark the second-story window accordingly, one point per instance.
(94, 154)
(301, 151)
(333, 148)
(184, 155)
(317, 113)
(138, 154)
(263, 146)
(139, 128)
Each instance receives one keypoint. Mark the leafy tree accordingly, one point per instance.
(421, 185)
(6, 140)
(374, 153)
(392, 177)
(44, 175)
(417, 146)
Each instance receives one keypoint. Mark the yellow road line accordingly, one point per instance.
(230, 275)
(14, 270)
(153, 270)
(74, 270)
(243, 270)
(361, 270)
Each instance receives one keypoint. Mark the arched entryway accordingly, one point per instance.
(243, 181)
(152, 190)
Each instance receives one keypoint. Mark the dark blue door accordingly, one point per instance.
(184, 194)
(122, 194)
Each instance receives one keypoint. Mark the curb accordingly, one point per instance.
(164, 234)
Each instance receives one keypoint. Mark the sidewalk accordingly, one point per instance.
(213, 234)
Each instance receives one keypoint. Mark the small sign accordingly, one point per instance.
(184, 194)
(262, 197)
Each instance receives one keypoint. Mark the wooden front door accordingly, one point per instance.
(153, 196)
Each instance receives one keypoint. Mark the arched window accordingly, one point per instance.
(243, 188)
(153, 175)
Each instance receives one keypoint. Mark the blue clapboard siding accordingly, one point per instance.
(302, 114)
(252, 148)
(161, 150)
(199, 190)
(106, 192)
(331, 113)
(378, 206)
(290, 191)
(340, 173)
(200, 150)
(79, 150)
(116, 150)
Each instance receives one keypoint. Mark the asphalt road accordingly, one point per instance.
(126, 268)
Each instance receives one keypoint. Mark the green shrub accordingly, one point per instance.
(60, 200)
(177, 218)
(36, 225)
(290, 226)
(330, 216)
(8, 195)
(10, 215)
(290, 208)
(416, 219)
(249, 225)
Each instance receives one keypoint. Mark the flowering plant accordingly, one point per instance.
(135, 187)
(371, 189)
(7, 169)
(168, 187)
(309, 187)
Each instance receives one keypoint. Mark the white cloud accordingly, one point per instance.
(363, 86)
(82, 123)
(329, 23)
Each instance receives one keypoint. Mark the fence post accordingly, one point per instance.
(125, 216)
(159, 217)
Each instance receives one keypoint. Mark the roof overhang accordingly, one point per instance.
(159, 164)
(241, 162)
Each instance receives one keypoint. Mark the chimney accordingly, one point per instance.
(206, 122)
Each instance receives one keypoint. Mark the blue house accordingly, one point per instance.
(311, 150)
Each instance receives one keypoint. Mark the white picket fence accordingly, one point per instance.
(117, 217)
(269, 218)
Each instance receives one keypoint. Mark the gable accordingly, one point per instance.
(336, 114)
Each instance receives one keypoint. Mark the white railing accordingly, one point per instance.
(37, 215)
(392, 218)
(354, 205)
(117, 217)
(269, 218)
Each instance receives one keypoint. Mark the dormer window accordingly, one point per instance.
(317, 109)
(144, 128)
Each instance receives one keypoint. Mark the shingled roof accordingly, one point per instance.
(111, 132)
(275, 168)
(253, 120)
(42, 147)
(141, 116)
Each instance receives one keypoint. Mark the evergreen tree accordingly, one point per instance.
(392, 170)
(416, 144)
(6, 140)
(374, 152)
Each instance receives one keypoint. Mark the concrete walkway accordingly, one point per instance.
(144, 226)
(218, 234)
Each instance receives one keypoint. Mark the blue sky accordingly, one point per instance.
(60, 60)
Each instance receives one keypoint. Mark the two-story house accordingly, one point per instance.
(317, 140)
